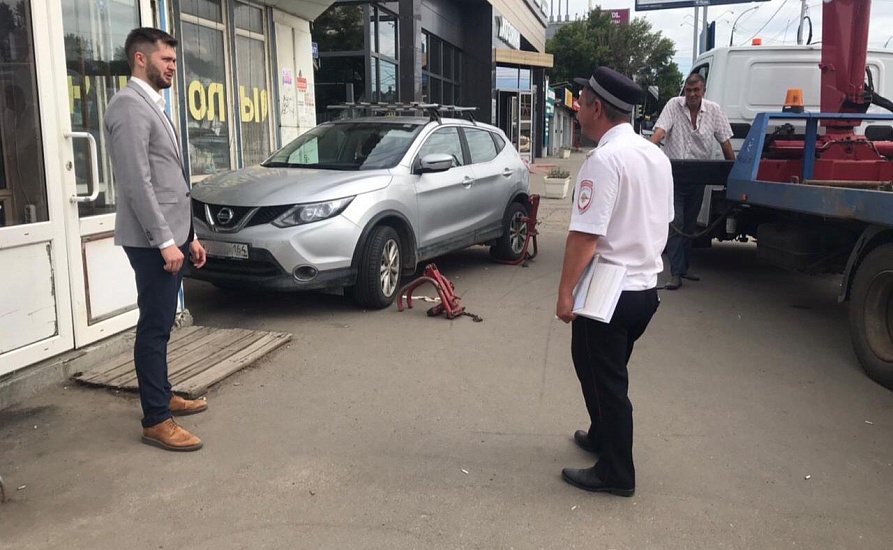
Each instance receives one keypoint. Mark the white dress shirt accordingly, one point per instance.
(684, 141)
(624, 194)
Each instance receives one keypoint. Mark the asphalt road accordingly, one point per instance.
(755, 427)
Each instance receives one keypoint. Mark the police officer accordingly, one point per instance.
(623, 203)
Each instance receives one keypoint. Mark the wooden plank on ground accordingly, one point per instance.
(124, 376)
(198, 358)
(199, 384)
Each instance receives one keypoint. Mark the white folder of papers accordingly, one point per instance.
(598, 290)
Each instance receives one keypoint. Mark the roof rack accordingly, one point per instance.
(433, 111)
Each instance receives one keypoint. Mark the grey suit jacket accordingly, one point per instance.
(153, 194)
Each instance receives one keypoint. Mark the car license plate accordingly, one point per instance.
(237, 251)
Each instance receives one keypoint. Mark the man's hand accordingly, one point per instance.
(564, 308)
(173, 258)
(578, 253)
(197, 254)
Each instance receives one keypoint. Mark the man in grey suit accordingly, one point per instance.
(154, 225)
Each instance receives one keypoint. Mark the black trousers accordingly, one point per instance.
(157, 292)
(601, 352)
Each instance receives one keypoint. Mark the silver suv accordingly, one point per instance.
(358, 203)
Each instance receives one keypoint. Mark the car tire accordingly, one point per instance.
(871, 315)
(379, 270)
(510, 245)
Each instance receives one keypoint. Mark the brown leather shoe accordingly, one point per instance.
(171, 436)
(183, 407)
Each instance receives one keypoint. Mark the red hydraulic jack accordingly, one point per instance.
(530, 234)
(449, 302)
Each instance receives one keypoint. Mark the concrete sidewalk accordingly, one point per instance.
(755, 427)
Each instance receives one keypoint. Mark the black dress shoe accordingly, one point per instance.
(588, 480)
(581, 438)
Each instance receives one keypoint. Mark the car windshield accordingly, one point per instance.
(347, 146)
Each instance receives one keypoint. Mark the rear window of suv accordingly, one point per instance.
(347, 146)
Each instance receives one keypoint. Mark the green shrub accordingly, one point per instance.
(558, 173)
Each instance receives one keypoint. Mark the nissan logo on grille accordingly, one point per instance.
(225, 215)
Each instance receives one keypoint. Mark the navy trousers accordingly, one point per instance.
(157, 292)
(601, 352)
(687, 201)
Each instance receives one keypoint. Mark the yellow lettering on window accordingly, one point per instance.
(198, 103)
(248, 107)
(215, 92)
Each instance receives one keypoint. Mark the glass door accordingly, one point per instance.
(524, 117)
(102, 285)
(35, 307)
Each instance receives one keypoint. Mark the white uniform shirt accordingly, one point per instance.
(624, 194)
(682, 141)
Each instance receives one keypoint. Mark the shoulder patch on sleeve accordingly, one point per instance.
(584, 198)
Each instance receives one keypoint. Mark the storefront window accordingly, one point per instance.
(441, 72)
(249, 18)
(332, 80)
(387, 78)
(387, 34)
(448, 52)
(206, 9)
(97, 69)
(340, 29)
(206, 98)
(23, 196)
(512, 78)
(251, 74)
(434, 61)
(253, 100)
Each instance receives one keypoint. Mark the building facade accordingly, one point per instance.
(249, 80)
(471, 53)
(244, 86)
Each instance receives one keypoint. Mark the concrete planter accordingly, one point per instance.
(556, 188)
(564, 153)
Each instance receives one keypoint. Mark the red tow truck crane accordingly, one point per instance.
(816, 195)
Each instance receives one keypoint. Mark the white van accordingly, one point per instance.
(746, 80)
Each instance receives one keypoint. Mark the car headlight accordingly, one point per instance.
(314, 212)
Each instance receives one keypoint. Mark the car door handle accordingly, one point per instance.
(467, 181)
(508, 172)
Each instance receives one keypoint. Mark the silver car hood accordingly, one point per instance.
(260, 186)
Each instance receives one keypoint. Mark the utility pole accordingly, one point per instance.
(703, 47)
(694, 44)
(802, 19)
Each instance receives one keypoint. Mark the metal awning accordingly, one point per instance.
(305, 9)
(521, 57)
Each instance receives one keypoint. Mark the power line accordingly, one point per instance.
(783, 4)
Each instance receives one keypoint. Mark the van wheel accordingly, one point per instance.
(378, 274)
(871, 315)
(510, 244)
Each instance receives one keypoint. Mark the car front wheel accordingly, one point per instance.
(510, 245)
(378, 273)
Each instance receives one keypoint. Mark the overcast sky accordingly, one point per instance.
(774, 21)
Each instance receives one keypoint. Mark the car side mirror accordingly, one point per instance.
(435, 162)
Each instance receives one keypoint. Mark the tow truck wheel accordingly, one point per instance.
(378, 276)
(514, 232)
(871, 315)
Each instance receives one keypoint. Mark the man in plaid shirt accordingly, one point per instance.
(690, 125)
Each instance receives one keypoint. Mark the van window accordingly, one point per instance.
(703, 70)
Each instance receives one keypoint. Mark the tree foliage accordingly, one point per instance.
(632, 49)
